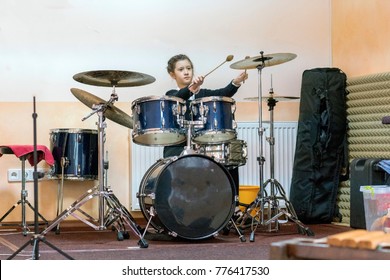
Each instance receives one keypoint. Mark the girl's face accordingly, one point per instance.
(183, 73)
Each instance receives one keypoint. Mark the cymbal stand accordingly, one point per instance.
(273, 210)
(111, 211)
(256, 210)
(254, 206)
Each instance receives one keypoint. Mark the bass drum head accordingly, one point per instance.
(194, 197)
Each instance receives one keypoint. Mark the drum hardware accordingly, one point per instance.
(189, 148)
(60, 190)
(111, 211)
(111, 112)
(228, 58)
(258, 206)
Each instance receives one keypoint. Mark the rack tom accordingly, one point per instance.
(216, 116)
(158, 121)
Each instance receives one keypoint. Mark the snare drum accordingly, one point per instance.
(190, 196)
(75, 152)
(216, 114)
(158, 121)
(231, 154)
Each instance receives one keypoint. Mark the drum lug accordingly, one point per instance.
(206, 112)
(183, 109)
(79, 138)
(215, 122)
(78, 170)
(138, 109)
(174, 158)
(175, 109)
(162, 106)
(234, 124)
(137, 126)
(244, 151)
(215, 107)
(233, 107)
(194, 110)
(172, 233)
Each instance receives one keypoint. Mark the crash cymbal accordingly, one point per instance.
(276, 97)
(112, 112)
(269, 60)
(110, 78)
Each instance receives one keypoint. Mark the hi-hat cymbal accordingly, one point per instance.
(266, 60)
(112, 112)
(276, 97)
(110, 78)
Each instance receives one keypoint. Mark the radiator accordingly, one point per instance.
(143, 157)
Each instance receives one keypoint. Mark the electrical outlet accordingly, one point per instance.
(14, 175)
(29, 174)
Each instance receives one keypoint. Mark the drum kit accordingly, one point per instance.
(176, 194)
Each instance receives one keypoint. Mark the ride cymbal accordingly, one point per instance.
(276, 97)
(110, 78)
(265, 60)
(112, 112)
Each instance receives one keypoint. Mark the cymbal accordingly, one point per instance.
(269, 60)
(110, 78)
(276, 97)
(112, 112)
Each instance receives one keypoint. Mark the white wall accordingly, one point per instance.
(43, 43)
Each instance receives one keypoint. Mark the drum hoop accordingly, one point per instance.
(213, 98)
(230, 179)
(154, 98)
(74, 130)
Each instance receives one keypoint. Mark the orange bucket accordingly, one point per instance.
(247, 194)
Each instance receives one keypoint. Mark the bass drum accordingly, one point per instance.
(190, 196)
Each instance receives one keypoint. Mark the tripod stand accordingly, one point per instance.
(34, 241)
(111, 211)
(267, 205)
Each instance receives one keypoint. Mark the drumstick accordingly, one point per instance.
(228, 58)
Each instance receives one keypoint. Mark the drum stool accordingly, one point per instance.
(23, 152)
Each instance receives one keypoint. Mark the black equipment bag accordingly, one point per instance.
(321, 146)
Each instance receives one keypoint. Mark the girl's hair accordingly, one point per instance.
(174, 59)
